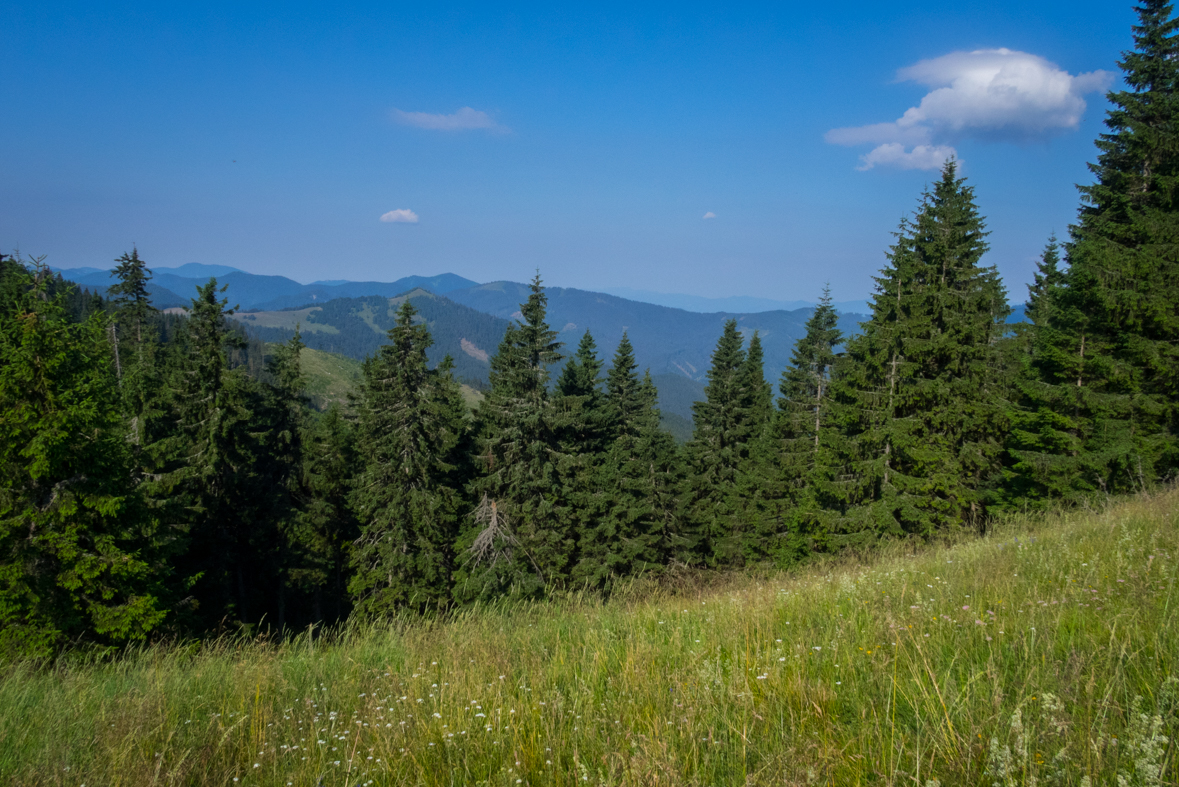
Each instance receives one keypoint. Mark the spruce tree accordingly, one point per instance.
(582, 409)
(632, 522)
(135, 342)
(1046, 284)
(408, 513)
(918, 394)
(718, 448)
(207, 473)
(280, 463)
(627, 413)
(1046, 453)
(757, 396)
(790, 486)
(1108, 359)
(73, 547)
(518, 539)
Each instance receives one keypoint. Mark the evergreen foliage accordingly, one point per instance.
(408, 514)
(212, 478)
(70, 520)
(325, 525)
(518, 540)
(922, 418)
(135, 342)
(160, 473)
(632, 523)
(585, 423)
(789, 488)
(1046, 457)
(733, 415)
(1106, 357)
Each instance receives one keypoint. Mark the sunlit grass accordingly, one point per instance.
(1042, 653)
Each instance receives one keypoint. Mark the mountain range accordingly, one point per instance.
(175, 287)
(467, 321)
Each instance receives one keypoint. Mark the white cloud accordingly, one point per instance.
(709, 215)
(400, 216)
(989, 94)
(893, 154)
(462, 120)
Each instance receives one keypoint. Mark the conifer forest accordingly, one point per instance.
(162, 475)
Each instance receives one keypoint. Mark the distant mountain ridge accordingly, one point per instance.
(733, 304)
(666, 340)
(467, 321)
(171, 287)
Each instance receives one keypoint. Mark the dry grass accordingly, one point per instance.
(1044, 653)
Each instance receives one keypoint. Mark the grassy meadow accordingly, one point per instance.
(1043, 653)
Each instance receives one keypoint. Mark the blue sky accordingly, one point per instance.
(588, 141)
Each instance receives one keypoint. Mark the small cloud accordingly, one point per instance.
(463, 120)
(709, 215)
(997, 95)
(893, 154)
(400, 216)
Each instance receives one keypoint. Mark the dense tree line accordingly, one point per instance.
(156, 475)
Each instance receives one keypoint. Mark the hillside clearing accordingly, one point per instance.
(1044, 651)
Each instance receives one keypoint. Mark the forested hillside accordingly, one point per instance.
(666, 340)
(163, 475)
(358, 327)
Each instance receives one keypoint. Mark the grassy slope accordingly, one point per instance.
(331, 377)
(1045, 648)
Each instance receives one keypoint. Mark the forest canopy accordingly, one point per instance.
(164, 474)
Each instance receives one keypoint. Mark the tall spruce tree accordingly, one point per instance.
(1108, 358)
(280, 464)
(72, 543)
(582, 421)
(408, 513)
(518, 539)
(789, 489)
(918, 392)
(1047, 460)
(632, 524)
(584, 417)
(717, 452)
(1046, 284)
(135, 342)
(209, 487)
(757, 395)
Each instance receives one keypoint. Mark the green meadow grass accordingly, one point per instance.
(1044, 653)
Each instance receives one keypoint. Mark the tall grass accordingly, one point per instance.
(1044, 653)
